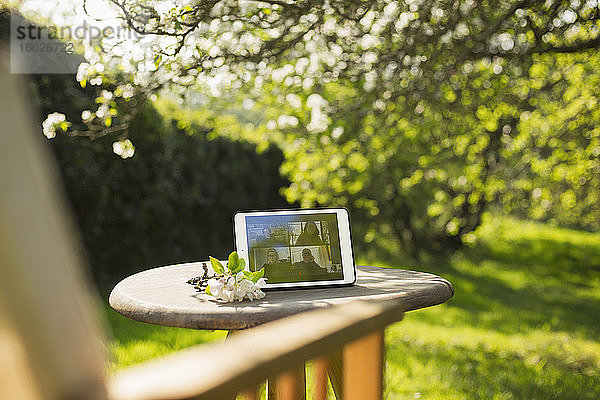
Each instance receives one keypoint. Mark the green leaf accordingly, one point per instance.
(83, 83)
(236, 269)
(207, 290)
(254, 276)
(232, 265)
(217, 266)
(233, 257)
(157, 60)
(257, 275)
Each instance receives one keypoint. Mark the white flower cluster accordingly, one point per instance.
(53, 121)
(124, 148)
(238, 287)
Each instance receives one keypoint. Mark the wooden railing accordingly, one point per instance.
(346, 342)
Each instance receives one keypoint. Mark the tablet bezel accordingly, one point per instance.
(345, 243)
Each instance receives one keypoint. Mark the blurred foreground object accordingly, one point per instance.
(49, 348)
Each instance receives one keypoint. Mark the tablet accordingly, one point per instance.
(297, 248)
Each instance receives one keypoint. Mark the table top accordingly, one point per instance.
(162, 296)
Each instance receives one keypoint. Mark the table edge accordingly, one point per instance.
(436, 294)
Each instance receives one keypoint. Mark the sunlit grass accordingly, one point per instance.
(133, 342)
(524, 322)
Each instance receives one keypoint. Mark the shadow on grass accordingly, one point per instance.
(521, 277)
(482, 374)
(545, 257)
(492, 304)
(531, 276)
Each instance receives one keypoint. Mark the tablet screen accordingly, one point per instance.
(295, 247)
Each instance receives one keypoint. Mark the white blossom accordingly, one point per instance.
(124, 148)
(238, 287)
(52, 121)
(86, 115)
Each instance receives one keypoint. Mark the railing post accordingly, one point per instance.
(291, 385)
(320, 366)
(363, 368)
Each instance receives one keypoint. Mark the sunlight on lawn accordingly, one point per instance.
(523, 323)
(134, 342)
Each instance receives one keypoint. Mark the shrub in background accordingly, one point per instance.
(173, 201)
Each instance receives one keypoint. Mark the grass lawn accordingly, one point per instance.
(524, 322)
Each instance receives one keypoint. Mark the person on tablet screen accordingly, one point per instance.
(309, 236)
(308, 269)
(276, 270)
(268, 239)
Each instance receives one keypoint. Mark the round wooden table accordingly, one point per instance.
(162, 296)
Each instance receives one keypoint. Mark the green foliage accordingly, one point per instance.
(418, 116)
(424, 167)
